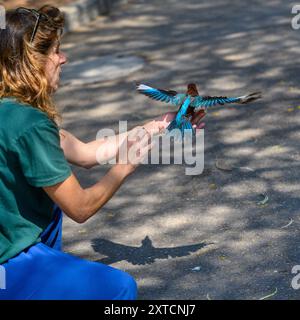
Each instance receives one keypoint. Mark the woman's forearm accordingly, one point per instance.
(105, 149)
(81, 204)
(100, 193)
(88, 155)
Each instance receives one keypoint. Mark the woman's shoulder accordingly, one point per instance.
(13, 110)
(17, 107)
(16, 117)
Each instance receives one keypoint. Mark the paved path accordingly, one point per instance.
(162, 223)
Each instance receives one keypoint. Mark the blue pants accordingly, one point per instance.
(44, 272)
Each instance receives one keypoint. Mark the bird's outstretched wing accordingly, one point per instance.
(207, 101)
(168, 96)
(175, 252)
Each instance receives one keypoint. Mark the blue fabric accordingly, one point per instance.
(44, 272)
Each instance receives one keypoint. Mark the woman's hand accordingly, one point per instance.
(134, 149)
(159, 124)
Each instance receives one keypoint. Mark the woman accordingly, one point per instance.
(36, 182)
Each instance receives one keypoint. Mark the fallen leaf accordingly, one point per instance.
(277, 147)
(223, 258)
(198, 268)
(287, 225)
(223, 164)
(269, 295)
(264, 201)
(290, 109)
(213, 186)
(247, 169)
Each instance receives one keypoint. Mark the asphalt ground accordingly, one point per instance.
(162, 223)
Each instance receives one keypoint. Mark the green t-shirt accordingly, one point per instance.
(30, 158)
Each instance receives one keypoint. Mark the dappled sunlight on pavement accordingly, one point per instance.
(225, 54)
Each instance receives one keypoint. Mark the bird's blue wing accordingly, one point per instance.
(168, 96)
(207, 101)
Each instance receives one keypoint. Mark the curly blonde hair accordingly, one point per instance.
(22, 62)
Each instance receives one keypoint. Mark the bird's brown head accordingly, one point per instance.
(192, 90)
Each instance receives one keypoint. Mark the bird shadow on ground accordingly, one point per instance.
(144, 254)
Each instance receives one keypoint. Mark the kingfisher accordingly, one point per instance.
(190, 103)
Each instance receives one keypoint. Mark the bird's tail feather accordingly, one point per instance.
(185, 124)
(250, 97)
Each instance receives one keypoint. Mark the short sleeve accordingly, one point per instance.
(40, 156)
